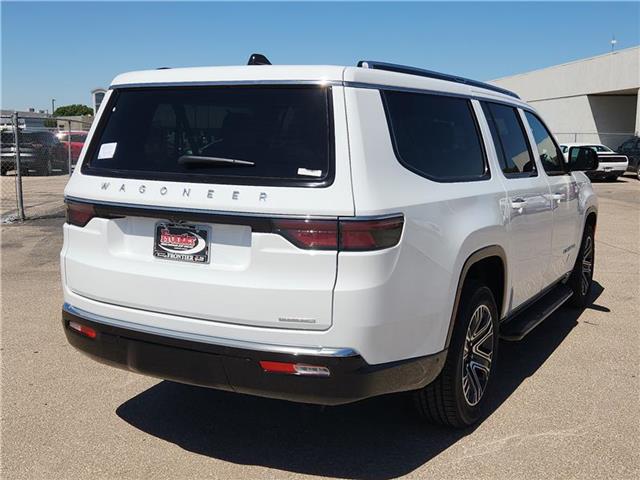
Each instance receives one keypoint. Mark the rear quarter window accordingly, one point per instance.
(435, 136)
(257, 135)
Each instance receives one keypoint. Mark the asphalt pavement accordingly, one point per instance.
(566, 402)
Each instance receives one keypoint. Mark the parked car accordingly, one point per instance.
(77, 142)
(322, 234)
(631, 148)
(40, 152)
(611, 164)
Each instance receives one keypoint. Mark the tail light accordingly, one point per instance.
(359, 235)
(79, 214)
(309, 234)
(344, 235)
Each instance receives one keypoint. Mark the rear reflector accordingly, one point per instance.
(295, 368)
(79, 214)
(82, 329)
(345, 235)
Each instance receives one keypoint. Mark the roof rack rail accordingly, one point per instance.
(391, 67)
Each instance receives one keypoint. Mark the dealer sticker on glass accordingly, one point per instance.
(182, 242)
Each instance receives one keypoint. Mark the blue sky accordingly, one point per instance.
(63, 50)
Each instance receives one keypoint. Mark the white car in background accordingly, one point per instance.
(611, 164)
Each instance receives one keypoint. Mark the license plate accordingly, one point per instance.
(182, 242)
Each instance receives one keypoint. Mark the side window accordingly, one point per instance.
(550, 156)
(435, 136)
(509, 139)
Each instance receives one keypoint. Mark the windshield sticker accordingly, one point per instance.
(107, 150)
(309, 173)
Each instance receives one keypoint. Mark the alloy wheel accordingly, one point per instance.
(587, 266)
(477, 355)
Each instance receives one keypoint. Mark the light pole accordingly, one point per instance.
(53, 106)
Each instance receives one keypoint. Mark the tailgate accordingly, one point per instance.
(160, 168)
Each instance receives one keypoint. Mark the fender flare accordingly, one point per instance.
(475, 257)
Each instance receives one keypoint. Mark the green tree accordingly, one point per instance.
(73, 110)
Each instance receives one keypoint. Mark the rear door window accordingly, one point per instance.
(265, 135)
(509, 140)
(435, 136)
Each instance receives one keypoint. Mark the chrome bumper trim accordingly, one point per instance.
(223, 342)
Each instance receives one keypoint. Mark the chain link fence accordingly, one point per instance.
(37, 155)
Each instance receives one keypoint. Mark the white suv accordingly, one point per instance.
(321, 234)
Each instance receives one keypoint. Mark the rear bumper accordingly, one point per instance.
(607, 173)
(237, 369)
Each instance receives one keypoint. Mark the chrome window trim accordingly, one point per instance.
(223, 83)
(223, 342)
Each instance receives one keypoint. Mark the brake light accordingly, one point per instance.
(79, 214)
(309, 234)
(358, 235)
(345, 235)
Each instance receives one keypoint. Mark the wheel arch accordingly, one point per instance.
(488, 264)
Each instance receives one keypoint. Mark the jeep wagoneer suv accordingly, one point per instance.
(321, 234)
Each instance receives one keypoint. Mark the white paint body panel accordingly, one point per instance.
(387, 305)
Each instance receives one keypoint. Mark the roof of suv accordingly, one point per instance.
(296, 74)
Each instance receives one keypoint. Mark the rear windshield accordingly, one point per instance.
(260, 135)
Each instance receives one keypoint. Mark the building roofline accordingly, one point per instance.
(615, 52)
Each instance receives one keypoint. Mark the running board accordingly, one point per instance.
(518, 327)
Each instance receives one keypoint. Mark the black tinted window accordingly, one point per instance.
(509, 139)
(274, 134)
(435, 136)
(550, 156)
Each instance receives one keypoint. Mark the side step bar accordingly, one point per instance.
(517, 327)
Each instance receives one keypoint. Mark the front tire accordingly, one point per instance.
(581, 277)
(457, 397)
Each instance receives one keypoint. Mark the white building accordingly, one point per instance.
(592, 100)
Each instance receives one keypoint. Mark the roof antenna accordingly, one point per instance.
(258, 59)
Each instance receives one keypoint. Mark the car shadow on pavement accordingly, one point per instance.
(376, 438)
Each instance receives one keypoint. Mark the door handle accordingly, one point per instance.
(518, 203)
(558, 196)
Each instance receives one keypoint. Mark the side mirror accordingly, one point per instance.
(582, 159)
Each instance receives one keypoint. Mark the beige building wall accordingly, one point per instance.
(590, 100)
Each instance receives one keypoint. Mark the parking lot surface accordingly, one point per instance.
(566, 402)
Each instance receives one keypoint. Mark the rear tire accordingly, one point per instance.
(581, 278)
(456, 398)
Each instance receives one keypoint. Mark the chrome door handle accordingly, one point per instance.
(558, 196)
(518, 203)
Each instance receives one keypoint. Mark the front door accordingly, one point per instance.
(563, 200)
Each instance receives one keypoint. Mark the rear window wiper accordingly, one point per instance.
(193, 159)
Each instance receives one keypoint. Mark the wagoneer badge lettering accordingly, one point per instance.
(186, 192)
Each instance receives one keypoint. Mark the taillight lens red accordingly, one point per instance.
(309, 234)
(359, 235)
(345, 235)
(83, 329)
(79, 214)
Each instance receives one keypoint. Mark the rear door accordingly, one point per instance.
(530, 216)
(191, 188)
